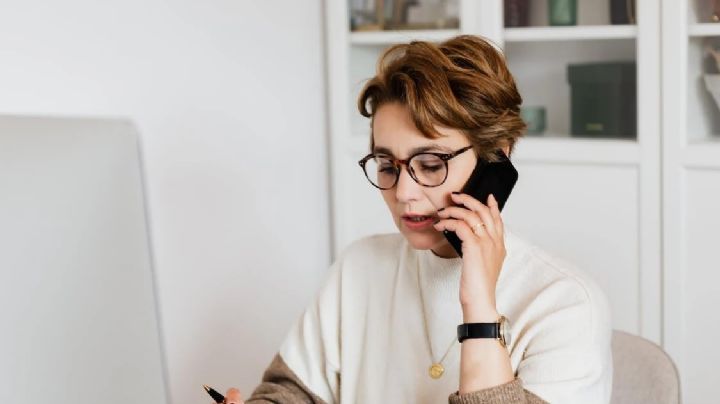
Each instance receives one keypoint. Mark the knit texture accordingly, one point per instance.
(510, 392)
(363, 338)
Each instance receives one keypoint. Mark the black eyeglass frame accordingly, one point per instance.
(398, 163)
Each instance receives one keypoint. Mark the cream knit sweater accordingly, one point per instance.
(363, 338)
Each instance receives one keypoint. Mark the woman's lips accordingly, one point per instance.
(415, 225)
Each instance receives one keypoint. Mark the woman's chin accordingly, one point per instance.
(422, 240)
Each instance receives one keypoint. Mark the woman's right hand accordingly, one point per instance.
(233, 396)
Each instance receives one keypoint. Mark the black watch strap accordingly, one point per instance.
(478, 330)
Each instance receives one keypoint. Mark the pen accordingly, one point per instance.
(219, 398)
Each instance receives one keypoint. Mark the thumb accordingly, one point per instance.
(233, 396)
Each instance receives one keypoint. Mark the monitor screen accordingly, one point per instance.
(77, 295)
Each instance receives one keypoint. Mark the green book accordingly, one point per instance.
(603, 99)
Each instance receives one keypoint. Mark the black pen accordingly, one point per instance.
(219, 398)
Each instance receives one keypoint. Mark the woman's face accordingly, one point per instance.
(395, 134)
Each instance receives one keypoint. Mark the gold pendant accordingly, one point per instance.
(436, 370)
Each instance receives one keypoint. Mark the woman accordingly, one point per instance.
(383, 329)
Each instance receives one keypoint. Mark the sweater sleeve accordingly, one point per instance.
(568, 357)
(307, 367)
(567, 352)
(509, 393)
(281, 385)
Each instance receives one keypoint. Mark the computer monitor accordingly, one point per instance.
(77, 296)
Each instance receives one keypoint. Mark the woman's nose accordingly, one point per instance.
(406, 188)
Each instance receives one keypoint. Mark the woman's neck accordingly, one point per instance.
(445, 250)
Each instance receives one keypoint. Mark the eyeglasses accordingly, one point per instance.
(427, 168)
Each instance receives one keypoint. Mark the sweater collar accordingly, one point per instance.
(439, 267)
(511, 244)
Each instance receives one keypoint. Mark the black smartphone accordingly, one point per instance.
(497, 178)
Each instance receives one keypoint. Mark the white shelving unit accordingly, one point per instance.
(691, 198)
(634, 213)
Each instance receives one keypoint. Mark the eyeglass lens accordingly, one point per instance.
(426, 169)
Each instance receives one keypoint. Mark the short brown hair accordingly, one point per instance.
(462, 83)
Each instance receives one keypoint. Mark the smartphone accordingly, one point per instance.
(496, 178)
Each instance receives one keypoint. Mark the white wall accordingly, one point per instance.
(223, 92)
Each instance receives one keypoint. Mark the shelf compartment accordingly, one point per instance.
(574, 33)
(542, 81)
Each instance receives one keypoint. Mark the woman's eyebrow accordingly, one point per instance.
(419, 149)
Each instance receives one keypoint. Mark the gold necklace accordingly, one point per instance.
(436, 370)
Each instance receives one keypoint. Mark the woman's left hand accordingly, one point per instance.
(483, 249)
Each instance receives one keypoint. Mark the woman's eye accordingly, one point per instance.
(432, 169)
(386, 169)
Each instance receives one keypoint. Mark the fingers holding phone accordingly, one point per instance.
(480, 231)
(496, 178)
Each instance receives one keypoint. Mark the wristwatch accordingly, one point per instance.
(499, 330)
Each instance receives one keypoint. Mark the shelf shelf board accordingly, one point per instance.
(574, 33)
(575, 150)
(400, 36)
(549, 149)
(704, 29)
